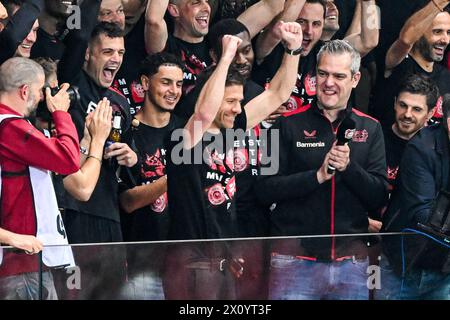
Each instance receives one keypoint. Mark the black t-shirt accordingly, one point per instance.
(150, 223)
(250, 215)
(305, 89)
(394, 150)
(104, 200)
(195, 57)
(382, 106)
(127, 79)
(394, 146)
(202, 188)
(47, 45)
(252, 218)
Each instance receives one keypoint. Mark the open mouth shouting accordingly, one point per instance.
(109, 72)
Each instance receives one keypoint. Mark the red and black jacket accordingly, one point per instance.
(338, 206)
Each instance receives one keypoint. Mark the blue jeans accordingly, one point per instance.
(25, 286)
(417, 284)
(292, 278)
(146, 285)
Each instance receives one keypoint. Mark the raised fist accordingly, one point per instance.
(291, 35)
(230, 44)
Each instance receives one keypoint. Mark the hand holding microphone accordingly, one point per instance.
(338, 157)
(339, 154)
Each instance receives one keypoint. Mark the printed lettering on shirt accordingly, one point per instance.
(91, 107)
(303, 93)
(319, 144)
(247, 151)
(134, 93)
(194, 66)
(222, 168)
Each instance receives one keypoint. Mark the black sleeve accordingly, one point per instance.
(18, 27)
(76, 42)
(282, 185)
(240, 121)
(264, 72)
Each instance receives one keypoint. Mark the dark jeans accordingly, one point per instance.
(292, 278)
(190, 274)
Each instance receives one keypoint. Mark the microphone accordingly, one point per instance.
(344, 134)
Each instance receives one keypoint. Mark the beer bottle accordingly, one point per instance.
(115, 133)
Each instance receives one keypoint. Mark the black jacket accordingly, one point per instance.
(338, 206)
(424, 171)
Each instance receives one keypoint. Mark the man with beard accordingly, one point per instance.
(413, 107)
(311, 16)
(269, 51)
(102, 60)
(112, 11)
(413, 267)
(191, 24)
(29, 213)
(201, 173)
(98, 219)
(19, 35)
(422, 42)
(145, 200)
(251, 217)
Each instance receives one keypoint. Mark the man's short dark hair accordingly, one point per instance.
(109, 29)
(422, 85)
(151, 64)
(321, 2)
(221, 28)
(234, 78)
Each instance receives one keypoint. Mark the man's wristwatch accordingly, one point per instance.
(295, 52)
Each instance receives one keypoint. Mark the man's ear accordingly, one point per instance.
(355, 78)
(145, 82)
(24, 92)
(87, 54)
(173, 10)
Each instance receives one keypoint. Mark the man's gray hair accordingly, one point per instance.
(18, 71)
(338, 47)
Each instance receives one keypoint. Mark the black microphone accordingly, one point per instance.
(344, 134)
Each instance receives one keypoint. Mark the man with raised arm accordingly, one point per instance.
(201, 175)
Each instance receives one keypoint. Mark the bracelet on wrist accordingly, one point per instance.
(94, 157)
